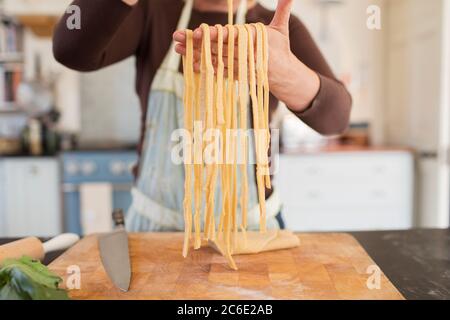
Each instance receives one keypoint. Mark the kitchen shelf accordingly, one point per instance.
(10, 107)
(12, 61)
(11, 111)
(9, 57)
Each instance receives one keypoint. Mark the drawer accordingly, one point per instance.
(347, 191)
(83, 167)
(349, 195)
(2, 200)
(299, 218)
(340, 168)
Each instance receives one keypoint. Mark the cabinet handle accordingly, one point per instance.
(380, 170)
(312, 171)
(313, 194)
(379, 194)
(34, 170)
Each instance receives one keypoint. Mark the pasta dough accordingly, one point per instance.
(216, 100)
(256, 242)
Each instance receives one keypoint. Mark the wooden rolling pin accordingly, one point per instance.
(34, 248)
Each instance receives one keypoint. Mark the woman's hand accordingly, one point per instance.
(290, 80)
(130, 2)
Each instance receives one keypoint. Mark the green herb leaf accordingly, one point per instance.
(27, 279)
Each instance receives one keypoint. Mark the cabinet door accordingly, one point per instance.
(32, 203)
(2, 200)
(414, 73)
(348, 191)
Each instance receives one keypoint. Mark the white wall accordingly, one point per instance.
(110, 110)
(67, 97)
(355, 53)
(414, 98)
(414, 73)
(100, 106)
(444, 143)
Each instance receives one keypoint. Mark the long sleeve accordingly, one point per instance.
(110, 32)
(329, 112)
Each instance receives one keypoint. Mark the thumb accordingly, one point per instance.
(280, 20)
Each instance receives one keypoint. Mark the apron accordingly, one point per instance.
(159, 191)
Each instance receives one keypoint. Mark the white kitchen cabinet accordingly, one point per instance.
(2, 200)
(30, 197)
(347, 191)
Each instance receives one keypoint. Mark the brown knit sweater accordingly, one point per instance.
(112, 31)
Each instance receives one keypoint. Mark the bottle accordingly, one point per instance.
(35, 137)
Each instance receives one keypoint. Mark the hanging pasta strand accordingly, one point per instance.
(256, 116)
(231, 99)
(210, 226)
(243, 118)
(224, 164)
(198, 151)
(230, 12)
(220, 77)
(265, 63)
(209, 115)
(188, 67)
(260, 172)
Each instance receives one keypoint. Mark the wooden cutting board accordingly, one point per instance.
(325, 266)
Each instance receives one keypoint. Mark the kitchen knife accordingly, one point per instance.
(115, 254)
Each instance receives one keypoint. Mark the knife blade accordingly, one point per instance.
(114, 253)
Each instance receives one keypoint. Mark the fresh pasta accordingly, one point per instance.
(188, 69)
(230, 12)
(216, 100)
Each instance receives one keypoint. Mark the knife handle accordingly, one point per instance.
(118, 218)
(61, 242)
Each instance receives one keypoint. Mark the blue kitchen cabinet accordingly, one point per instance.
(93, 167)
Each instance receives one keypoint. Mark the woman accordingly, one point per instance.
(113, 30)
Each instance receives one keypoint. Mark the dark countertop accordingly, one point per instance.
(417, 261)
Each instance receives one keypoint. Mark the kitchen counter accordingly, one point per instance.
(417, 262)
(100, 148)
(343, 149)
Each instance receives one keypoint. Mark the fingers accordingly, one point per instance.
(179, 36)
(280, 20)
(198, 34)
(197, 69)
(180, 48)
